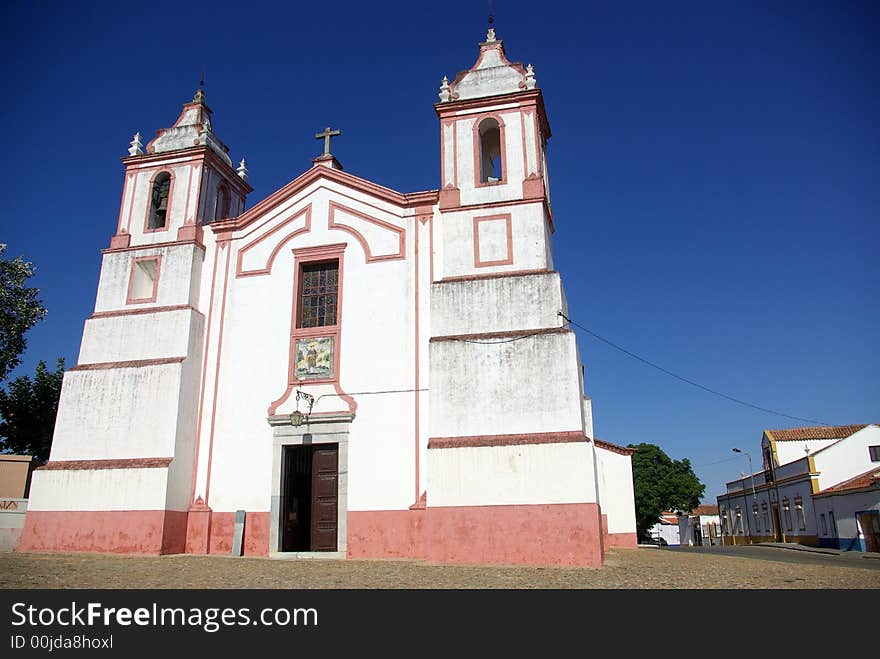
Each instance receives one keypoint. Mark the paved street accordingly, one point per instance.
(685, 568)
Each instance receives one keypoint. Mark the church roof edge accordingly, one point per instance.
(404, 200)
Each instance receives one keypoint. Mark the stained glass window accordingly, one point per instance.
(318, 290)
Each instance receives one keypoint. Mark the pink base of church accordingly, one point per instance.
(622, 540)
(142, 532)
(386, 534)
(551, 534)
(105, 531)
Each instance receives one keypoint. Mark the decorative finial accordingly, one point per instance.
(242, 170)
(200, 96)
(136, 145)
(490, 35)
(444, 90)
(530, 77)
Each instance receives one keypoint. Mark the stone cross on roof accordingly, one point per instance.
(326, 136)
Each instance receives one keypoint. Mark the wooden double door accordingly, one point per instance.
(310, 480)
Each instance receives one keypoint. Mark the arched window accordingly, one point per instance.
(159, 201)
(221, 208)
(490, 151)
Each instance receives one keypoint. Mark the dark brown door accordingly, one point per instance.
(777, 527)
(325, 476)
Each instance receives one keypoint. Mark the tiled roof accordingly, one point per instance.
(705, 510)
(601, 443)
(860, 482)
(814, 432)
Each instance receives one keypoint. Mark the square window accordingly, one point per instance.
(874, 453)
(144, 280)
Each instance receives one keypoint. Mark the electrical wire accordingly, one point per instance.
(684, 379)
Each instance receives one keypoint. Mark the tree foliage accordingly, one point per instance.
(27, 412)
(19, 310)
(660, 484)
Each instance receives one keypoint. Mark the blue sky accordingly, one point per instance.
(713, 168)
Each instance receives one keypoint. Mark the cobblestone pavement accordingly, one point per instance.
(623, 568)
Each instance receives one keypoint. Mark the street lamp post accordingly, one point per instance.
(754, 495)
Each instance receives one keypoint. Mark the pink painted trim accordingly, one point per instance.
(314, 174)
(416, 387)
(524, 99)
(507, 440)
(443, 126)
(194, 155)
(126, 463)
(189, 181)
(450, 196)
(104, 531)
(120, 240)
(386, 534)
(135, 312)
(563, 534)
(478, 262)
(125, 189)
(240, 272)
(204, 377)
(614, 448)
(303, 256)
(501, 335)
(132, 248)
(478, 165)
(621, 540)
(525, 151)
(131, 204)
(167, 226)
(496, 275)
(431, 245)
(400, 233)
(255, 539)
(128, 298)
(137, 363)
(217, 371)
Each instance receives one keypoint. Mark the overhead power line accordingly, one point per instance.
(684, 379)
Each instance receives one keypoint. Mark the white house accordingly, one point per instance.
(345, 368)
(813, 481)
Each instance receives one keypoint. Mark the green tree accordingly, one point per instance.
(19, 310)
(27, 412)
(659, 484)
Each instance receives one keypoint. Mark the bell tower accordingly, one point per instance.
(494, 132)
(498, 338)
(184, 179)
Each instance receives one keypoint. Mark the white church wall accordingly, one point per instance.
(177, 265)
(511, 475)
(137, 337)
(376, 353)
(498, 304)
(89, 489)
(99, 418)
(527, 236)
(180, 471)
(503, 397)
(617, 496)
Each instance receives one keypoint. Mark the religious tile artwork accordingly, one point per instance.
(314, 358)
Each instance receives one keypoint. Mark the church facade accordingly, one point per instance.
(340, 369)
